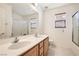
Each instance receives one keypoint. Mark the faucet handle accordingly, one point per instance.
(16, 40)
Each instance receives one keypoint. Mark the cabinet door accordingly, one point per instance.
(41, 52)
(41, 49)
(32, 52)
(46, 47)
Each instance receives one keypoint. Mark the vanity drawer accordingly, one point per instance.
(41, 44)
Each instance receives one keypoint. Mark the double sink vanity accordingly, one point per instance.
(28, 45)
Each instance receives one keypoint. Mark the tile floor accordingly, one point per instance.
(59, 51)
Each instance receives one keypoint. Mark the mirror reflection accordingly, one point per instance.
(75, 34)
(24, 21)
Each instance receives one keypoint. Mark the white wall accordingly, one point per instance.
(63, 39)
(19, 25)
(7, 19)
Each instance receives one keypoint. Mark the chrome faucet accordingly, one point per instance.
(16, 40)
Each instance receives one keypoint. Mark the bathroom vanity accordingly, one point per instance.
(28, 45)
(40, 49)
(17, 33)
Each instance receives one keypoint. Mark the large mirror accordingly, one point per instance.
(75, 34)
(24, 20)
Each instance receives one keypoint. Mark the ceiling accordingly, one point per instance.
(22, 8)
(25, 9)
(51, 5)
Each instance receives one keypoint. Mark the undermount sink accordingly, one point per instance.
(19, 45)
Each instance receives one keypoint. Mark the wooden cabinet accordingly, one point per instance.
(41, 44)
(32, 52)
(41, 49)
(46, 47)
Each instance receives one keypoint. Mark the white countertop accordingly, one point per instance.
(28, 40)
